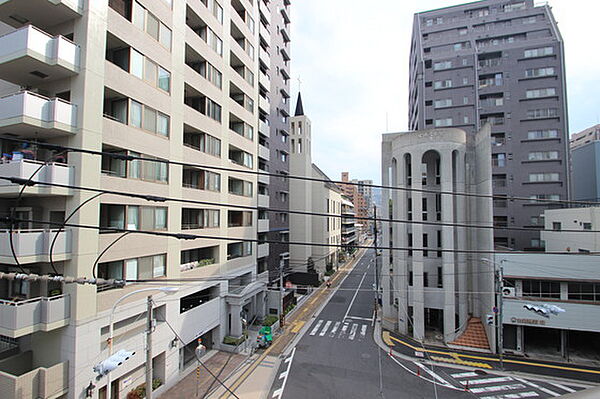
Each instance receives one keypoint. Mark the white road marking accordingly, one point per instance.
(355, 294)
(424, 378)
(529, 394)
(324, 330)
(334, 329)
(486, 381)
(344, 329)
(279, 392)
(363, 331)
(497, 388)
(314, 330)
(464, 375)
(358, 318)
(283, 375)
(353, 332)
(431, 373)
(531, 384)
(563, 387)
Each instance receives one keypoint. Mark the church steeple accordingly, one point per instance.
(299, 108)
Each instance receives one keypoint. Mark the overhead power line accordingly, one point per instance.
(124, 157)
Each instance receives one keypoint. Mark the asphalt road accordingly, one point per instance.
(338, 358)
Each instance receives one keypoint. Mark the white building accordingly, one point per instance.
(168, 80)
(430, 291)
(573, 220)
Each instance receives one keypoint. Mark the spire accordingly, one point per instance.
(299, 109)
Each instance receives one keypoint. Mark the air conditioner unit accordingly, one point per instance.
(509, 292)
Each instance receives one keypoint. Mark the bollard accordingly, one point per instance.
(418, 371)
(467, 386)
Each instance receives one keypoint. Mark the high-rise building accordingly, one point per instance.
(435, 289)
(181, 81)
(273, 129)
(500, 62)
(356, 191)
(585, 164)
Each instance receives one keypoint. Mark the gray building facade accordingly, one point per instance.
(500, 62)
(585, 164)
(274, 129)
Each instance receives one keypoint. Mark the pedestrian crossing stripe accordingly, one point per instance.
(518, 395)
(336, 329)
(460, 362)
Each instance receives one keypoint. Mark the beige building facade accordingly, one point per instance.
(167, 80)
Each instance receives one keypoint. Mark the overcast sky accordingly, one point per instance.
(352, 60)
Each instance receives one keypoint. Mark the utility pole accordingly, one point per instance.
(281, 292)
(499, 301)
(149, 327)
(375, 237)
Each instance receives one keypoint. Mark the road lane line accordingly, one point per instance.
(563, 387)
(358, 318)
(464, 375)
(334, 329)
(363, 331)
(353, 332)
(314, 330)
(355, 294)
(279, 392)
(529, 394)
(324, 330)
(486, 381)
(431, 373)
(536, 386)
(497, 388)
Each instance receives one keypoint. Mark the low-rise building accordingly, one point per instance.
(579, 223)
(585, 164)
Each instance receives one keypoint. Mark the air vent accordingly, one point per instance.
(39, 74)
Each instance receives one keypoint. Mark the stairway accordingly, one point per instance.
(474, 336)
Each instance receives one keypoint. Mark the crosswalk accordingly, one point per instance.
(339, 330)
(486, 386)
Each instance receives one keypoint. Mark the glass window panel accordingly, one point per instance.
(131, 269)
(150, 72)
(165, 36)
(150, 119)
(133, 214)
(159, 265)
(134, 166)
(138, 15)
(147, 218)
(164, 79)
(152, 26)
(163, 124)
(136, 114)
(137, 64)
(160, 218)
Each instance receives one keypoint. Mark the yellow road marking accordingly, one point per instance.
(461, 362)
(298, 326)
(386, 339)
(458, 355)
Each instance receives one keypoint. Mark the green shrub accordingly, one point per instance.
(289, 308)
(329, 272)
(270, 320)
(228, 340)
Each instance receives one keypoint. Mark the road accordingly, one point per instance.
(338, 358)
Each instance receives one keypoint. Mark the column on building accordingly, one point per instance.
(418, 297)
(448, 258)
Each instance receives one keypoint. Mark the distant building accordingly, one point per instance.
(349, 233)
(311, 196)
(501, 62)
(356, 191)
(585, 164)
(430, 291)
(585, 219)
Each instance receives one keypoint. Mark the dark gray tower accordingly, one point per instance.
(500, 62)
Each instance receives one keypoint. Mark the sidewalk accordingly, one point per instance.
(264, 365)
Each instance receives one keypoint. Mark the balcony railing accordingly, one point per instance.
(18, 318)
(52, 173)
(34, 245)
(30, 55)
(264, 153)
(20, 378)
(23, 113)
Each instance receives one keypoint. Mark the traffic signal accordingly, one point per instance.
(108, 365)
(489, 319)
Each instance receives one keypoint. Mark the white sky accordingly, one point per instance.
(352, 59)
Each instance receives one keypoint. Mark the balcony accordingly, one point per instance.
(262, 251)
(54, 173)
(42, 13)
(263, 225)
(29, 115)
(264, 179)
(29, 56)
(284, 14)
(18, 318)
(263, 152)
(263, 129)
(263, 201)
(33, 246)
(263, 103)
(264, 57)
(24, 376)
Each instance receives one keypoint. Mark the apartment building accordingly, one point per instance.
(156, 80)
(434, 292)
(274, 147)
(309, 263)
(550, 306)
(356, 192)
(501, 62)
(585, 164)
(349, 233)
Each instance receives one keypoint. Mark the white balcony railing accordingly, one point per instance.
(263, 225)
(34, 245)
(264, 153)
(18, 318)
(263, 201)
(32, 42)
(264, 57)
(263, 129)
(52, 173)
(264, 104)
(262, 251)
(27, 108)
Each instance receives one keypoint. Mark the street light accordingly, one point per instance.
(166, 290)
(498, 278)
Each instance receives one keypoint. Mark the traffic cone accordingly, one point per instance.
(467, 386)
(418, 371)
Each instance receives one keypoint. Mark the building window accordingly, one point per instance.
(424, 209)
(541, 289)
(440, 277)
(538, 52)
(543, 177)
(539, 72)
(537, 243)
(587, 226)
(538, 93)
(556, 226)
(238, 250)
(239, 218)
(542, 134)
(240, 187)
(192, 218)
(443, 122)
(425, 245)
(499, 160)
(447, 102)
(442, 84)
(543, 155)
(439, 66)
(584, 292)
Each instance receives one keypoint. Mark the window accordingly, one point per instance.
(424, 208)
(541, 289)
(537, 93)
(443, 122)
(135, 114)
(587, 226)
(442, 84)
(410, 243)
(499, 160)
(543, 155)
(443, 103)
(425, 245)
(542, 134)
(238, 250)
(152, 25)
(240, 187)
(425, 278)
(162, 126)
(200, 179)
(192, 218)
(556, 226)
(164, 36)
(542, 113)
(240, 157)
(439, 66)
(149, 119)
(164, 79)
(539, 72)
(514, 7)
(213, 110)
(543, 177)
(203, 142)
(439, 244)
(537, 243)
(136, 64)
(584, 292)
(538, 52)
(132, 217)
(541, 198)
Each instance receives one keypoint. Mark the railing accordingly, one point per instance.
(34, 242)
(36, 106)
(33, 314)
(52, 172)
(41, 382)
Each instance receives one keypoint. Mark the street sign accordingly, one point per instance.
(495, 309)
(288, 284)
